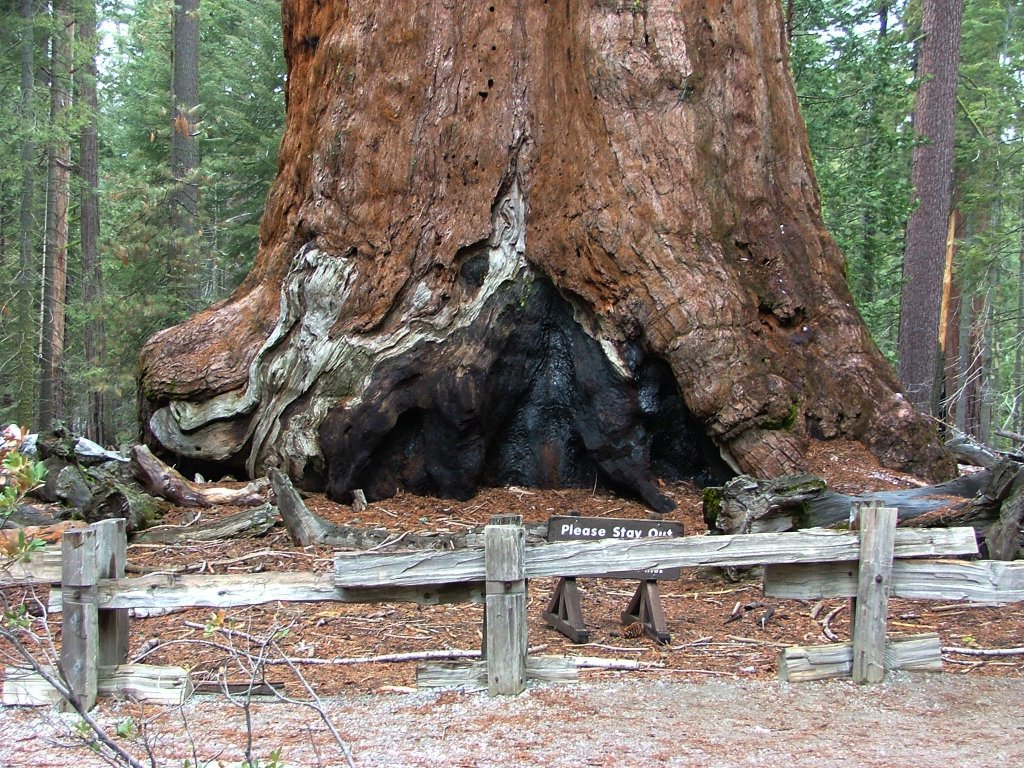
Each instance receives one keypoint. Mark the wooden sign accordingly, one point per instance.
(571, 528)
(563, 612)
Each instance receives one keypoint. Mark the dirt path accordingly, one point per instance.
(945, 721)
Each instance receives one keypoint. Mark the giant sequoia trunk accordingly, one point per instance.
(537, 243)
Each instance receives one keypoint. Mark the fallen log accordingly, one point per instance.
(249, 523)
(28, 514)
(166, 482)
(967, 451)
(747, 505)
(308, 529)
(1010, 434)
(996, 512)
(11, 538)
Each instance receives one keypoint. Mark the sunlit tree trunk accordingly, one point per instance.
(952, 308)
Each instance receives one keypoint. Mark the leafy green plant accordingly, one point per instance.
(22, 548)
(18, 476)
(127, 729)
(85, 732)
(16, 618)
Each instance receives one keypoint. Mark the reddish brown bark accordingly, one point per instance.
(932, 176)
(648, 167)
(55, 273)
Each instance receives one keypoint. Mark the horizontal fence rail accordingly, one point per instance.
(596, 558)
(979, 581)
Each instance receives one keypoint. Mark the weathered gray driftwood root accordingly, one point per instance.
(746, 505)
(997, 511)
(967, 451)
(165, 481)
(248, 523)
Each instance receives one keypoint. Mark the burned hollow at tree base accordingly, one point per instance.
(524, 397)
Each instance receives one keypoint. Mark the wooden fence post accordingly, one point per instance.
(79, 645)
(854, 527)
(505, 566)
(111, 555)
(878, 533)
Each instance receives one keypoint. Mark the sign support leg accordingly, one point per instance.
(645, 608)
(564, 613)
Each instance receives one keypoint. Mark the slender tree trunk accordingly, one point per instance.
(984, 433)
(932, 175)
(1017, 420)
(974, 373)
(870, 209)
(963, 365)
(977, 390)
(97, 426)
(184, 154)
(25, 370)
(953, 400)
(55, 277)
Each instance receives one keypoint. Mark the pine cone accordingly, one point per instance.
(634, 630)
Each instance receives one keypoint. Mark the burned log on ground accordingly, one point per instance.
(538, 244)
(997, 512)
(747, 505)
(112, 498)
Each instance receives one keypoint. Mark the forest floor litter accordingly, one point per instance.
(709, 697)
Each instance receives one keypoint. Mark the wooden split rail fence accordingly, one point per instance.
(870, 565)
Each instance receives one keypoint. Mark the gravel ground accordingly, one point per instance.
(947, 720)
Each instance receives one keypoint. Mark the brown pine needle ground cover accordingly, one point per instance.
(718, 627)
(710, 637)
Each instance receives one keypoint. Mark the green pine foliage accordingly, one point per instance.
(990, 200)
(240, 121)
(21, 119)
(856, 86)
(241, 118)
(855, 92)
